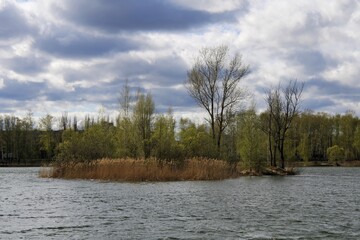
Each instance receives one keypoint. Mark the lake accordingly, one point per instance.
(319, 203)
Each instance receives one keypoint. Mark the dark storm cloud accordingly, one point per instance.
(312, 61)
(13, 22)
(312, 104)
(170, 97)
(108, 93)
(80, 45)
(163, 71)
(115, 15)
(325, 94)
(333, 89)
(21, 91)
(27, 65)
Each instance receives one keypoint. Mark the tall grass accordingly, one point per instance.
(136, 170)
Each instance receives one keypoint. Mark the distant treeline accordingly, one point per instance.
(140, 133)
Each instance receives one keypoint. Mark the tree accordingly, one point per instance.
(143, 119)
(98, 141)
(283, 106)
(347, 125)
(64, 122)
(125, 99)
(250, 144)
(127, 136)
(195, 140)
(356, 142)
(213, 82)
(163, 139)
(335, 154)
(28, 137)
(46, 138)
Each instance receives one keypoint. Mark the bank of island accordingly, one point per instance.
(138, 170)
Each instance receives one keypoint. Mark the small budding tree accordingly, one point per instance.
(47, 141)
(250, 141)
(335, 154)
(213, 82)
(144, 110)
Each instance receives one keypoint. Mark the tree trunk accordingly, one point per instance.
(219, 144)
(270, 150)
(282, 157)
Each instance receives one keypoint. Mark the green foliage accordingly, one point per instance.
(71, 148)
(143, 119)
(356, 143)
(163, 139)
(140, 133)
(19, 141)
(196, 140)
(127, 139)
(335, 154)
(47, 140)
(95, 143)
(347, 125)
(250, 141)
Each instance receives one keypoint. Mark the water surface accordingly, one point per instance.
(320, 203)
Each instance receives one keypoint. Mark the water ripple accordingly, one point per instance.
(321, 203)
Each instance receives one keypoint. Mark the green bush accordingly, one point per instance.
(335, 154)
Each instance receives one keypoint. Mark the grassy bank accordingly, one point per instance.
(138, 170)
(135, 170)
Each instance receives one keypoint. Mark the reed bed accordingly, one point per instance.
(138, 170)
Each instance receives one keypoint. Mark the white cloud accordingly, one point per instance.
(347, 72)
(1, 83)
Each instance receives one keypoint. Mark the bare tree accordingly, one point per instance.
(64, 122)
(213, 82)
(283, 106)
(125, 99)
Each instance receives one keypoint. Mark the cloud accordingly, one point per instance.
(135, 15)
(324, 95)
(312, 61)
(76, 55)
(21, 91)
(67, 44)
(26, 65)
(13, 22)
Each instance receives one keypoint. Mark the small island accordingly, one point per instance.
(143, 145)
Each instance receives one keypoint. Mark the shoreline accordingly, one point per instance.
(351, 163)
(152, 170)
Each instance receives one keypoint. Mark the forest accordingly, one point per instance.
(140, 133)
(283, 135)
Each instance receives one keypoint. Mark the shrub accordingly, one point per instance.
(335, 154)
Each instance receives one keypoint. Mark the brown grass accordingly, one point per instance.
(136, 170)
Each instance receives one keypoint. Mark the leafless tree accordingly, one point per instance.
(64, 121)
(283, 105)
(213, 82)
(125, 99)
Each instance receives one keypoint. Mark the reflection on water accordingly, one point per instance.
(320, 203)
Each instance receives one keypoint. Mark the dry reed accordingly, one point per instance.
(136, 170)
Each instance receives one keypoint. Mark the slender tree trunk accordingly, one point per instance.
(275, 148)
(219, 143)
(282, 157)
(270, 149)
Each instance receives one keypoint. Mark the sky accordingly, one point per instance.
(75, 56)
